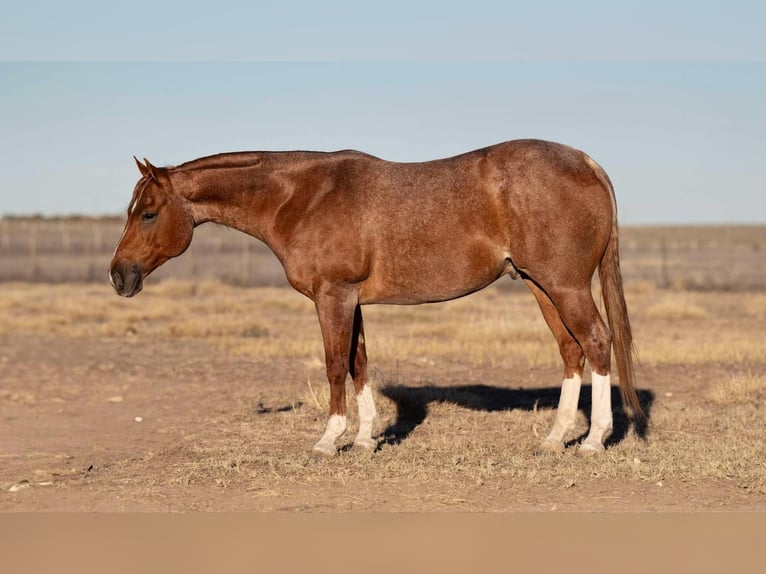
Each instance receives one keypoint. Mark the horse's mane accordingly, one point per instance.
(245, 159)
(222, 160)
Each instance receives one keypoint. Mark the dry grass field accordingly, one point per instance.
(207, 390)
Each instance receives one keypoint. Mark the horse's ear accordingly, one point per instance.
(151, 170)
(141, 167)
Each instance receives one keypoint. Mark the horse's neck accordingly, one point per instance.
(234, 198)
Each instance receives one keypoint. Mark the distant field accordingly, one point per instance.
(78, 250)
(207, 390)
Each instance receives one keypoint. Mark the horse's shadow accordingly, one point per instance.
(412, 406)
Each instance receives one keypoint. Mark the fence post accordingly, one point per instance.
(96, 233)
(246, 260)
(66, 235)
(665, 278)
(5, 235)
(34, 228)
(192, 263)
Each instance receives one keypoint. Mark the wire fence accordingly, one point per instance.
(56, 251)
(80, 249)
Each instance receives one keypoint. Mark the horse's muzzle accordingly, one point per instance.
(127, 278)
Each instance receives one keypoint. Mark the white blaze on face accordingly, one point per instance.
(124, 231)
(138, 197)
(131, 209)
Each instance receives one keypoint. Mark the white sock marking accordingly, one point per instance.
(367, 415)
(567, 411)
(600, 414)
(336, 426)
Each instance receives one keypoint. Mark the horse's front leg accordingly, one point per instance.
(335, 308)
(368, 414)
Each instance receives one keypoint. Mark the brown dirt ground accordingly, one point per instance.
(220, 431)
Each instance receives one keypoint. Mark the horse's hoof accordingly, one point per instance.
(365, 445)
(550, 447)
(590, 449)
(322, 451)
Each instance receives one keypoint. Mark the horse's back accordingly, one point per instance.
(527, 187)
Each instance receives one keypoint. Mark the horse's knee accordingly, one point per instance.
(599, 349)
(337, 369)
(573, 357)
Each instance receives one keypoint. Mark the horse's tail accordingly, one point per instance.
(617, 310)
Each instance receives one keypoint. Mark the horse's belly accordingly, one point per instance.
(411, 277)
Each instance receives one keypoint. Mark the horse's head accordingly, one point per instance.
(159, 227)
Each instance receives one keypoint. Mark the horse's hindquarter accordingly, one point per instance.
(561, 211)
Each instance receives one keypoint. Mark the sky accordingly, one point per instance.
(670, 101)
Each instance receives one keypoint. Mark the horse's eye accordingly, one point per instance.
(148, 216)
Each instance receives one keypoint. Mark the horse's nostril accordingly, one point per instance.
(117, 281)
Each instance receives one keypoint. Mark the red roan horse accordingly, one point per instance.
(351, 229)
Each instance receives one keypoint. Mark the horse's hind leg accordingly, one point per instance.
(364, 399)
(574, 359)
(579, 313)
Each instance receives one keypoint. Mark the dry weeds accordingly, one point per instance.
(740, 388)
(496, 327)
(460, 449)
(677, 307)
(702, 357)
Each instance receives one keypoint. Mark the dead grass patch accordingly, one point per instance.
(494, 327)
(755, 305)
(739, 388)
(457, 449)
(676, 307)
(317, 396)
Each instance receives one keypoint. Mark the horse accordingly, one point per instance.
(351, 229)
